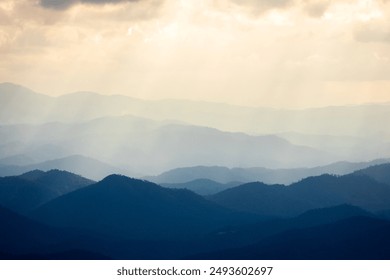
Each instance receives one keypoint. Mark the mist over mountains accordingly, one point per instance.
(89, 176)
(135, 145)
(142, 137)
(355, 121)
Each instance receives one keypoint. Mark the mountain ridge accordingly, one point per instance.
(222, 174)
(309, 193)
(26, 192)
(127, 207)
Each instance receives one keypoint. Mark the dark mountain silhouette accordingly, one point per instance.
(246, 175)
(61, 182)
(384, 214)
(235, 237)
(78, 164)
(351, 239)
(313, 192)
(21, 195)
(66, 255)
(22, 238)
(330, 215)
(361, 191)
(380, 172)
(125, 207)
(21, 235)
(123, 218)
(269, 200)
(202, 186)
(26, 192)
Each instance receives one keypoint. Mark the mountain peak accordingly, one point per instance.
(8, 85)
(336, 212)
(33, 174)
(117, 178)
(52, 173)
(121, 180)
(10, 88)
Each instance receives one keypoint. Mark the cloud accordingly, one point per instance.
(311, 8)
(64, 4)
(373, 32)
(316, 8)
(259, 6)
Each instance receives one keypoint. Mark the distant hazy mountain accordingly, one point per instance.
(124, 207)
(16, 160)
(85, 166)
(30, 190)
(269, 176)
(148, 147)
(340, 133)
(310, 193)
(21, 105)
(219, 174)
(202, 186)
(347, 147)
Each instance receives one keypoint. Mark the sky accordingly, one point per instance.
(279, 53)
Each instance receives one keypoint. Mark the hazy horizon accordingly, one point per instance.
(280, 54)
(163, 99)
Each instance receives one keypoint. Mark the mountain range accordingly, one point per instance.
(121, 206)
(202, 186)
(82, 106)
(313, 192)
(262, 137)
(225, 175)
(146, 147)
(234, 182)
(125, 218)
(356, 238)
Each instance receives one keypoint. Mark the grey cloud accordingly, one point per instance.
(373, 33)
(64, 4)
(262, 5)
(316, 8)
